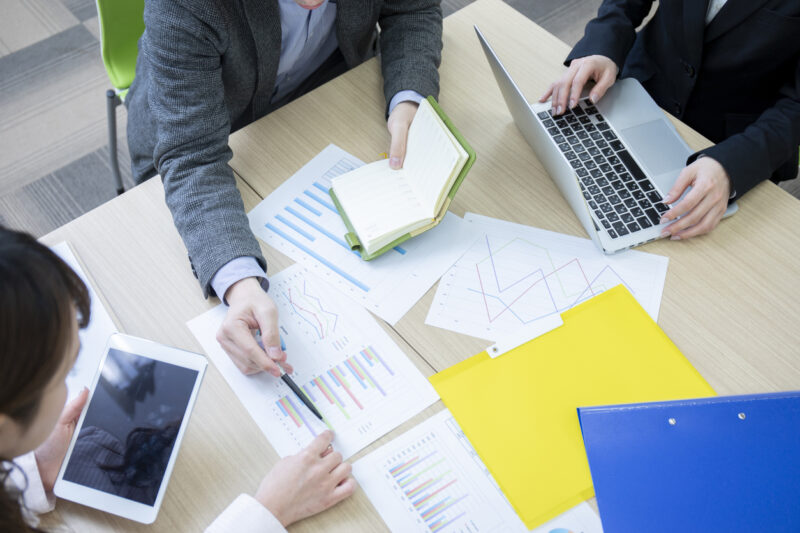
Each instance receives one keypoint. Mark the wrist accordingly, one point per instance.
(243, 286)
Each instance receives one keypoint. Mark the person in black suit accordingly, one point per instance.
(730, 69)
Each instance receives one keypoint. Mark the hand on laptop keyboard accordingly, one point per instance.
(703, 206)
(567, 90)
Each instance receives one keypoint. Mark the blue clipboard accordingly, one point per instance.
(722, 464)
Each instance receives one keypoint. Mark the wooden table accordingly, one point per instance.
(731, 299)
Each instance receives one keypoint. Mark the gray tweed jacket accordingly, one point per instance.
(208, 67)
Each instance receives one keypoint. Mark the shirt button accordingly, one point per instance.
(678, 108)
(689, 69)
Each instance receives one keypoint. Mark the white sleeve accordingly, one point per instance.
(246, 515)
(26, 478)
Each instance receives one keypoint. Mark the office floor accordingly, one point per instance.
(53, 140)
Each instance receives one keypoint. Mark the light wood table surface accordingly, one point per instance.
(730, 303)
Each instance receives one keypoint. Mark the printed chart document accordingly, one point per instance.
(94, 337)
(515, 275)
(300, 220)
(347, 365)
(431, 479)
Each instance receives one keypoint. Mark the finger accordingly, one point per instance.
(345, 489)
(691, 218)
(341, 472)
(72, 411)
(255, 354)
(331, 461)
(706, 225)
(687, 204)
(547, 93)
(577, 84)
(320, 443)
(397, 148)
(241, 344)
(602, 85)
(685, 178)
(563, 93)
(270, 336)
(238, 357)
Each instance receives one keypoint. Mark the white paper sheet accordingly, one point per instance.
(299, 219)
(356, 376)
(94, 337)
(579, 519)
(431, 479)
(514, 275)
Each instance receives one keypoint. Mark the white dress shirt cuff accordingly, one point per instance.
(404, 96)
(36, 501)
(246, 515)
(233, 271)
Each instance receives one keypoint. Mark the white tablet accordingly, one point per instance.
(128, 436)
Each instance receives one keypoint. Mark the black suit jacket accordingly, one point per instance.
(736, 81)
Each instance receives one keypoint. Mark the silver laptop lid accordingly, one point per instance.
(547, 152)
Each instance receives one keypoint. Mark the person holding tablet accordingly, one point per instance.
(728, 68)
(43, 303)
(206, 69)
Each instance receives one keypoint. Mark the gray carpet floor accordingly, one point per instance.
(53, 139)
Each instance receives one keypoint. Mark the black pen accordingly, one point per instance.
(290, 382)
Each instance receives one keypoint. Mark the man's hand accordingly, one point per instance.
(50, 454)
(399, 122)
(250, 309)
(702, 207)
(567, 90)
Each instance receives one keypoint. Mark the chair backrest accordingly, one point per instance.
(121, 25)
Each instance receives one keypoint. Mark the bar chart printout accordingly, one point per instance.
(300, 220)
(344, 362)
(431, 480)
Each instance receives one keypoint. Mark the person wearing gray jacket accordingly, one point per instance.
(209, 67)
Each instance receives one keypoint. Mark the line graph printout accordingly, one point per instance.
(300, 220)
(514, 275)
(430, 479)
(345, 363)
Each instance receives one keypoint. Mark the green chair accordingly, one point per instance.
(121, 25)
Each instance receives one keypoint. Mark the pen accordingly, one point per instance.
(290, 382)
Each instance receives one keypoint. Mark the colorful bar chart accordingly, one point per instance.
(431, 488)
(430, 480)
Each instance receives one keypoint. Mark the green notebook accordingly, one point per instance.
(382, 208)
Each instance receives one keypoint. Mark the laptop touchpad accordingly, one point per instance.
(656, 147)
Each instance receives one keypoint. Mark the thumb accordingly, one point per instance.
(270, 337)
(397, 150)
(72, 411)
(685, 178)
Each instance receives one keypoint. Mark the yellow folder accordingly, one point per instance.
(519, 410)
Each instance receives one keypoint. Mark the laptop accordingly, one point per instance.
(612, 161)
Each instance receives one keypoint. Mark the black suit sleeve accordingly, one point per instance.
(767, 144)
(613, 31)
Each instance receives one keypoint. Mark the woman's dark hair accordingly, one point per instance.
(40, 296)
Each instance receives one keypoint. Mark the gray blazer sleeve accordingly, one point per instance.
(186, 98)
(411, 46)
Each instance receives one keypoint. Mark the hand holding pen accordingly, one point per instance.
(289, 381)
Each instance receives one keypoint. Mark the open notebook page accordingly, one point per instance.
(379, 202)
(433, 158)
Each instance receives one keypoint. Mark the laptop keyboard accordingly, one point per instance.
(621, 196)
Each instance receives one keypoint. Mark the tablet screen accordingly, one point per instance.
(130, 427)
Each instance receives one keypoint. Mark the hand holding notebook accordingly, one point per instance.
(382, 207)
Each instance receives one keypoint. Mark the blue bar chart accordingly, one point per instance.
(300, 220)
